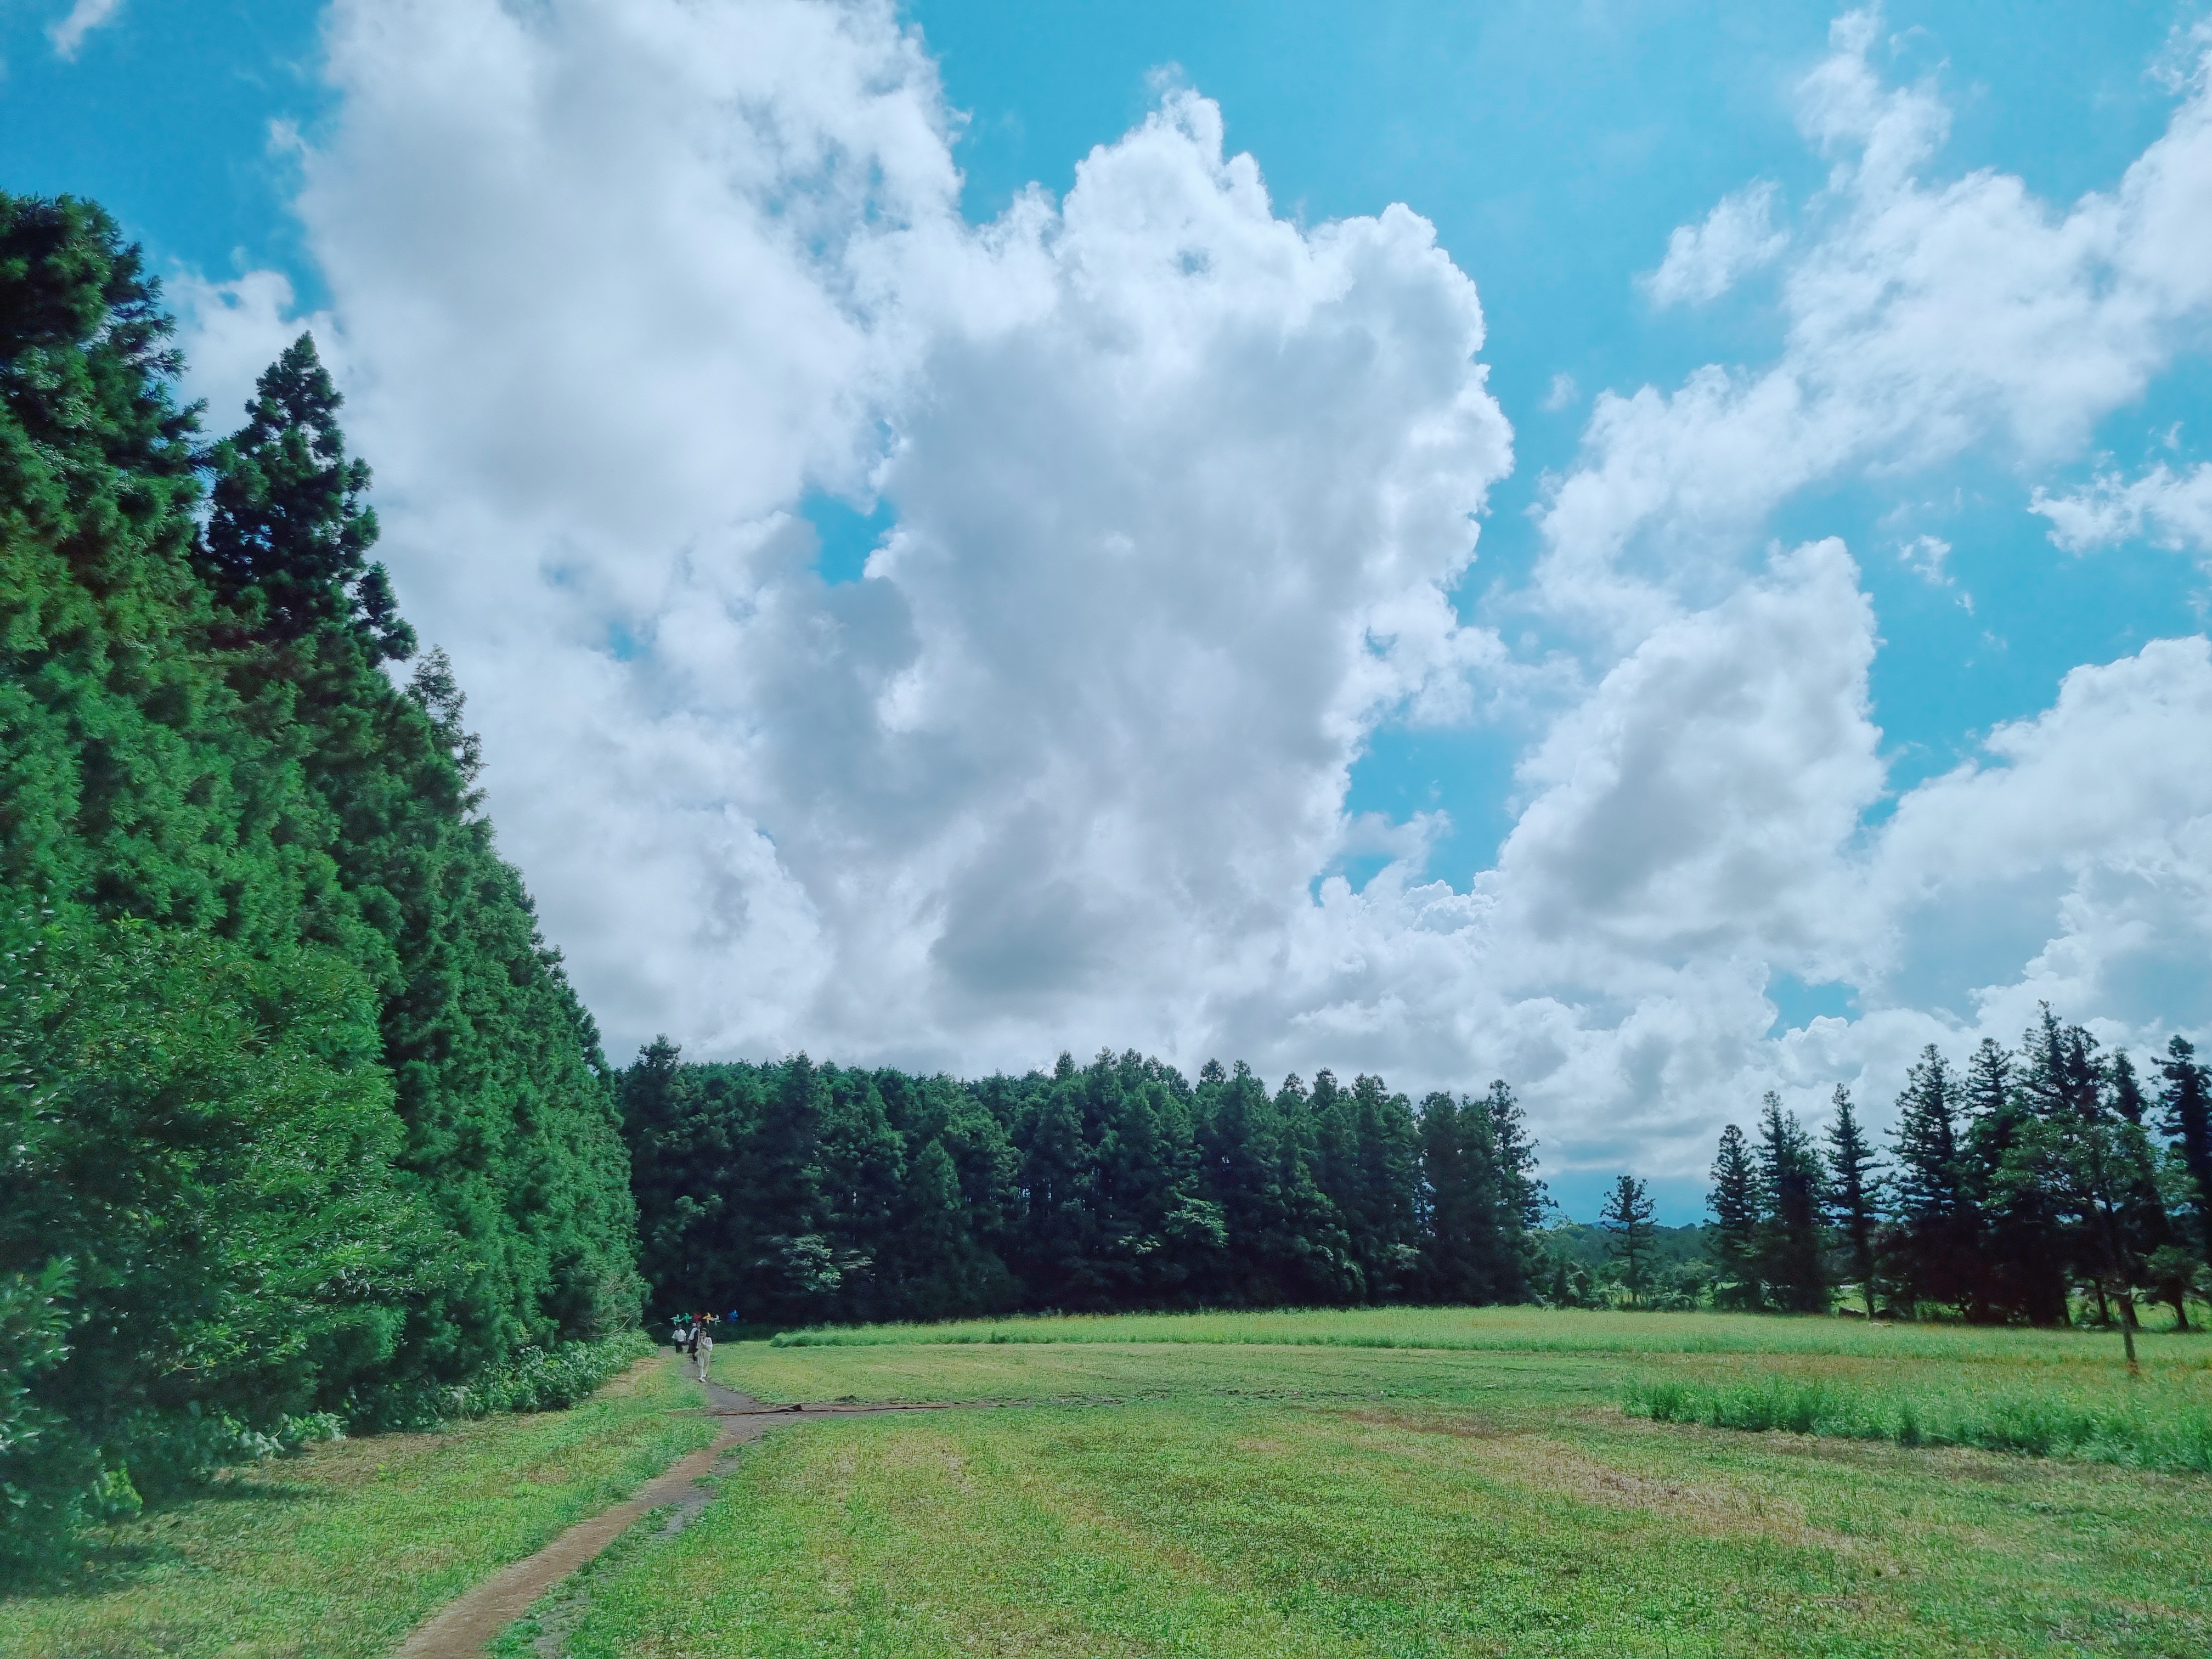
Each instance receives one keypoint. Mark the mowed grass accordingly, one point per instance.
(1201, 1495)
(342, 1550)
(2048, 1391)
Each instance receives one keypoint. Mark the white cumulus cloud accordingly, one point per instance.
(2168, 508)
(1924, 316)
(1180, 490)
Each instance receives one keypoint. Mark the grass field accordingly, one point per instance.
(1398, 1482)
(337, 1553)
(1418, 1483)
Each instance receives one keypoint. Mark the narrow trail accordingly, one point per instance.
(463, 1628)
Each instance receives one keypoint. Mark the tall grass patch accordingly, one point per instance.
(1526, 1330)
(2150, 1423)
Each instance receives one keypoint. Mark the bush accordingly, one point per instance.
(535, 1379)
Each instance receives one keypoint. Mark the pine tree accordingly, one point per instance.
(1936, 1225)
(2018, 1254)
(1791, 1251)
(1854, 1187)
(2104, 1160)
(358, 1142)
(1734, 1202)
(2148, 1232)
(1627, 1217)
(1521, 1199)
(289, 527)
(2185, 1106)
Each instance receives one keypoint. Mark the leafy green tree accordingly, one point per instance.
(1479, 1199)
(2020, 1253)
(2147, 1232)
(370, 1136)
(2104, 1162)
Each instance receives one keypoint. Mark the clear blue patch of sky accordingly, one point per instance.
(846, 533)
(1798, 1004)
(1580, 1194)
(164, 117)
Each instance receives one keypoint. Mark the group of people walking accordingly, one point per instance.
(694, 1337)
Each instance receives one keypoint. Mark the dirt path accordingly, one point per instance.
(462, 1629)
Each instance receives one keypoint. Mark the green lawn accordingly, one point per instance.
(1196, 1491)
(342, 1550)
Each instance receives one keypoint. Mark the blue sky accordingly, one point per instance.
(1555, 149)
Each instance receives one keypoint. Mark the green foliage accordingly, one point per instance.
(794, 1193)
(302, 1117)
(1854, 1197)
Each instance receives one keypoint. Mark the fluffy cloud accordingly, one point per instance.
(1703, 261)
(1923, 317)
(1179, 488)
(236, 329)
(2170, 509)
(2101, 807)
(1179, 491)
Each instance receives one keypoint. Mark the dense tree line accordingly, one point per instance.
(2037, 1175)
(799, 1192)
(301, 1114)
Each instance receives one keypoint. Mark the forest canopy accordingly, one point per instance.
(800, 1192)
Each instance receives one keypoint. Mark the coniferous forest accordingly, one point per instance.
(2036, 1178)
(806, 1192)
(302, 1119)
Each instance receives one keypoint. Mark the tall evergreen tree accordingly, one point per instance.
(1792, 1254)
(2185, 1106)
(1854, 1194)
(2147, 1232)
(319, 1110)
(2018, 1258)
(290, 526)
(1734, 1202)
(1936, 1223)
(1521, 1199)
(2104, 1161)
(1627, 1217)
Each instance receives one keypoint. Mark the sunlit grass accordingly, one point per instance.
(2041, 1392)
(2152, 1423)
(340, 1552)
(1535, 1330)
(1194, 1494)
